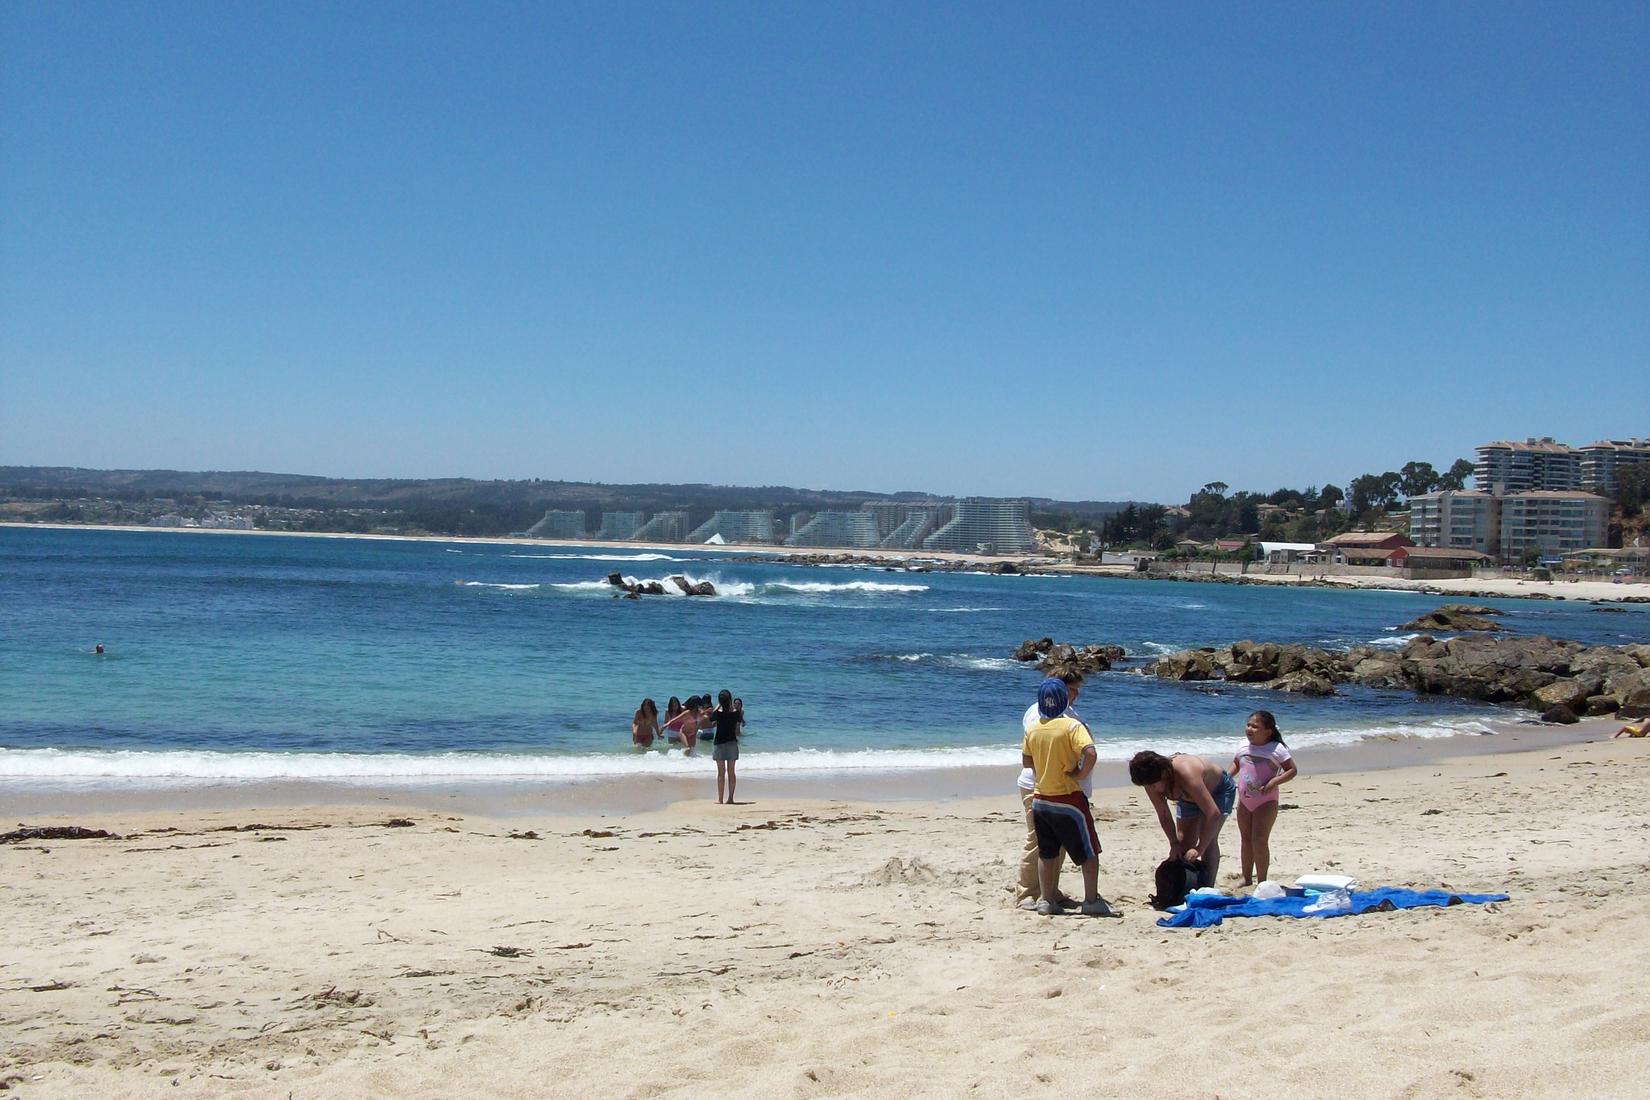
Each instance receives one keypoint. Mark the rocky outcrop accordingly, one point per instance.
(1455, 618)
(1056, 659)
(1561, 680)
(637, 589)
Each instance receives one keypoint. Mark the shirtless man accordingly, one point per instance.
(1203, 794)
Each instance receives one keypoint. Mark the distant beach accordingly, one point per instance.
(1497, 587)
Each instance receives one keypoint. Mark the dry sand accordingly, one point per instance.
(829, 948)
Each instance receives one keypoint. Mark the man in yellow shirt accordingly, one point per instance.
(1060, 753)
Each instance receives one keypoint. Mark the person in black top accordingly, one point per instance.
(725, 749)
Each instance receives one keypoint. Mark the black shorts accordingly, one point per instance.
(1063, 821)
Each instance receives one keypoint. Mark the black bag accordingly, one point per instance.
(1175, 879)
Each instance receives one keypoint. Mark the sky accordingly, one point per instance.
(1076, 251)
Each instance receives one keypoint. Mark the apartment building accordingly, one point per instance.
(733, 526)
(1552, 523)
(919, 523)
(986, 525)
(853, 529)
(1535, 464)
(620, 525)
(558, 525)
(663, 527)
(1460, 519)
(1600, 461)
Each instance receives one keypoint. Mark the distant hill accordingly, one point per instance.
(456, 505)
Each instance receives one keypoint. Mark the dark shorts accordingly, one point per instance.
(1224, 795)
(725, 750)
(1063, 821)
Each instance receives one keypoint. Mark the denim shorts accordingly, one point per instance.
(726, 750)
(1224, 795)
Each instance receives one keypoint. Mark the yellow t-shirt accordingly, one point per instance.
(1055, 745)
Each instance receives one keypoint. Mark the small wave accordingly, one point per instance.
(1221, 746)
(1395, 642)
(506, 587)
(958, 610)
(743, 589)
(1160, 649)
(1193, 606)
(964, 661)
(984, 664)
(817, 588)
(88, 767)
(599, 557)
(104, 768)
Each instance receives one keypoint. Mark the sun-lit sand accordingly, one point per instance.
(792, 947)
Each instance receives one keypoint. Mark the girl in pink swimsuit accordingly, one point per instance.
(1260, 768)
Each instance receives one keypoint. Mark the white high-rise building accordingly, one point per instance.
(986, 525)
(1504, 467)
(852, 529)
(1461, 519)
(751, 526)
(1552, 523)
(1601, 460)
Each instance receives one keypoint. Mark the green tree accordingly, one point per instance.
(1633, 488)
(1417, 478)
(1456, 476)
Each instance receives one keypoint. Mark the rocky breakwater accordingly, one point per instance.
(1562, 680)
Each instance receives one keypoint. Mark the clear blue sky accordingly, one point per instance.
(1079, 251)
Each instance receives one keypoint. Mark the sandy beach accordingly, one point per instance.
(826, 947)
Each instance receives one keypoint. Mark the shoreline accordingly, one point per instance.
(342, 952)
(610, 797)
(1031, 564)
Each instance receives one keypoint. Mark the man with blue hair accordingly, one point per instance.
(1060, 753)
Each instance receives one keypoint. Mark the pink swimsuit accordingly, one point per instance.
(1257, 765)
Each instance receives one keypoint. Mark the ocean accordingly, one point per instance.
(243, 658)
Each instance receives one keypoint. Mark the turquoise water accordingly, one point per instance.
(232, 657)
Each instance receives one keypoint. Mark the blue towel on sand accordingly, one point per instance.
(1204, 910)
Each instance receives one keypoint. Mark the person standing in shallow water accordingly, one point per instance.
(644, 725)
(725, 747)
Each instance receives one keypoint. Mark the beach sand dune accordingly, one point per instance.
(819, 949)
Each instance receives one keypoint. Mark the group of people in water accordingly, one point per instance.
(684, 723)
(1057, 758)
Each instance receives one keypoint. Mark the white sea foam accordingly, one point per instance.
(912, 656)
(1160, 648)
(748, 589)
(38, 767)
(599, 557)
(983, 664)
(816, 588)
(958, 610)
(1395, 642)
(506, 587)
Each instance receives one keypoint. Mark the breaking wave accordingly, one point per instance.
(77, 767)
